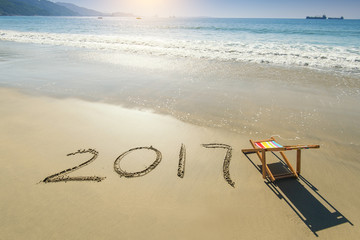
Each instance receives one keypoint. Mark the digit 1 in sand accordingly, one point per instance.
(182, 158)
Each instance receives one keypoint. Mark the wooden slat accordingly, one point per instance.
(298, 161)
(285, 148)
(301, 146)
(263, 156)
(281, 176)
(251, 150)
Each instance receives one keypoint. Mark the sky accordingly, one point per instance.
(227, 8)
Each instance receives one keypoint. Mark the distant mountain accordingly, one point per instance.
(47, 8)
(33, 8)
(80, 10)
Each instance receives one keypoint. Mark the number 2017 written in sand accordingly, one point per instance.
(64, 177)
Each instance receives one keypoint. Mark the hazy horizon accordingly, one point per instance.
(228, 8)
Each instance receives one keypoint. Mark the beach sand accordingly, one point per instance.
(37, 132)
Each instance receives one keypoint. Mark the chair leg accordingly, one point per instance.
(289, 164)
(265, 169)
(263, 164)
(298, 161)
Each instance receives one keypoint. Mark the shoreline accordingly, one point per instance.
(247, 99)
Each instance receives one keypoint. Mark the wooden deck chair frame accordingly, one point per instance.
(261, 153)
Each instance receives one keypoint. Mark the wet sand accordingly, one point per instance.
(37, 133)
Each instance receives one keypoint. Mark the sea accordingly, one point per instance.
(332, 45)
(296, 78)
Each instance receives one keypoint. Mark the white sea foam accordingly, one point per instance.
(338, 58)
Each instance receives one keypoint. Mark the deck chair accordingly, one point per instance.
(260, 147)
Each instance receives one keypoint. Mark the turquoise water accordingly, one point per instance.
(330, 45)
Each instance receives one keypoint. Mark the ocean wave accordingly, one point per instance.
(338, 58)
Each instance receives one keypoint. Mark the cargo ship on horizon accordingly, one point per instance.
(324, 17)
(340, 18)
(317, 17)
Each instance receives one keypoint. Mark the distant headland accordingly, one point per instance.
(324, 17)
(49, 8)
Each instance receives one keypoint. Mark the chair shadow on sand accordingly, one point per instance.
(304, 199)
